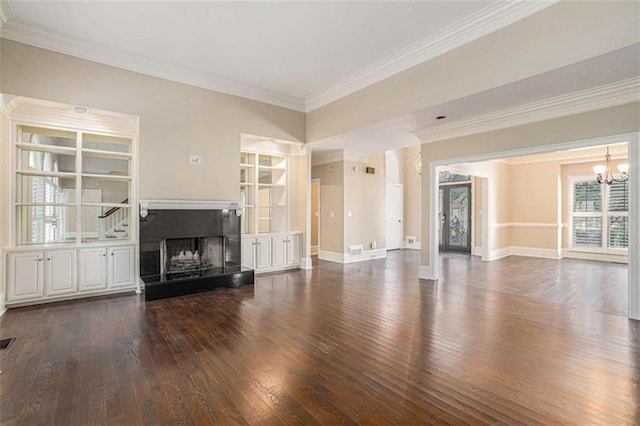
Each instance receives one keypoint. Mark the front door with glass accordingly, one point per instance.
(455, 217)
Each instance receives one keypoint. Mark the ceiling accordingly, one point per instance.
(300, 55)
(610, 68)
(303, 55)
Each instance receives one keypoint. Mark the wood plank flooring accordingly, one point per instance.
(518, 340)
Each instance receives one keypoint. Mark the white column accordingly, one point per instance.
(634, 228)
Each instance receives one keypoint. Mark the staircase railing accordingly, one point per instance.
(111, 219)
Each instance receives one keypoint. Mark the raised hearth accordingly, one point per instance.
(190, 247)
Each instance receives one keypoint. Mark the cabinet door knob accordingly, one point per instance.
(48, 258)
(104, 254)
(111, 254)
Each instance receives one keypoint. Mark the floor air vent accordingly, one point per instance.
(356, 250)
(5, 343)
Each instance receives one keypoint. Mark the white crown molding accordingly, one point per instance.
(6, 12)
(609, 95)
(22, 32)
(319, 158)
(491, 18)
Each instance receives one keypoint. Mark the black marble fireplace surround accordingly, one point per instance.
(214, 233)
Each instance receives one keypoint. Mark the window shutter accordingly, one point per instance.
(587, 231)
(587, 197)
(618, 232)
(619, 197)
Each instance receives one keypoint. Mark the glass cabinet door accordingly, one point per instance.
(263, 189)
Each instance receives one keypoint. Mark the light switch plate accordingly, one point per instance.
(195, 159)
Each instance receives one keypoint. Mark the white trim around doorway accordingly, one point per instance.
(432, 271)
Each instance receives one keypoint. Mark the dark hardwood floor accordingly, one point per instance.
(518, 340)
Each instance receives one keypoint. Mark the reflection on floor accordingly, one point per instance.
(515, 340)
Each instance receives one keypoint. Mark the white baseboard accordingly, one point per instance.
(366, 255)
(595, 256)
(331, 256)
(305, 263)
(343, 258)
(413, 246)
(499, 253)
(425, 273)
(535, 252)
(555, 254)
(477, 251)
(275, 269)
(3, 307)
(314, 250)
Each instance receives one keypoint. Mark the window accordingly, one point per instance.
(599, 215)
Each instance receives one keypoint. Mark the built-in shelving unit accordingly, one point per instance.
(72, 187)
(263, 189)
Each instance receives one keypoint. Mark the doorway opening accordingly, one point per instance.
(455, 217)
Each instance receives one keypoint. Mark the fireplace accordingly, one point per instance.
(190, 247)
(181, 257)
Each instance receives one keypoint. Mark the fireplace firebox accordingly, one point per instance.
(190, 250)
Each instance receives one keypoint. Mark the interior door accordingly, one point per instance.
(394, 217)
(455, 217)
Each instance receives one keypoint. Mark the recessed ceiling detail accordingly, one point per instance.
(606, 96)
(304, 59)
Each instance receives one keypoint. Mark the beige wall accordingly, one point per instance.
(332, 199)
(573, 32)
(175, 119)
(399, 169)
(298, 192)
(604, 122)
(534, 199)
(411, 194)
(364, 197)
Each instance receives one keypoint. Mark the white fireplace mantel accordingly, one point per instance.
(146, 205)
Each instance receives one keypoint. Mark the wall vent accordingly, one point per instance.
(356, 250)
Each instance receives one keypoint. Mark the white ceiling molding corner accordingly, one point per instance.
(331, 156)
(319, 158)
(491, 18)
(6, 12)
(22, 32)
(609, 95)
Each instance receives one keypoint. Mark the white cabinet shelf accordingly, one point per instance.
(40, 276)
(263, 188)
(271, 253)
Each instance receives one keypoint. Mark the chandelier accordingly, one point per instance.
(605, 175)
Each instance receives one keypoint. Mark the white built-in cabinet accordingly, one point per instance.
(92, 269)
(33, 275)
(268, 242)
(37, 276)
(285, 250)
(272, 252)
(72, 177)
